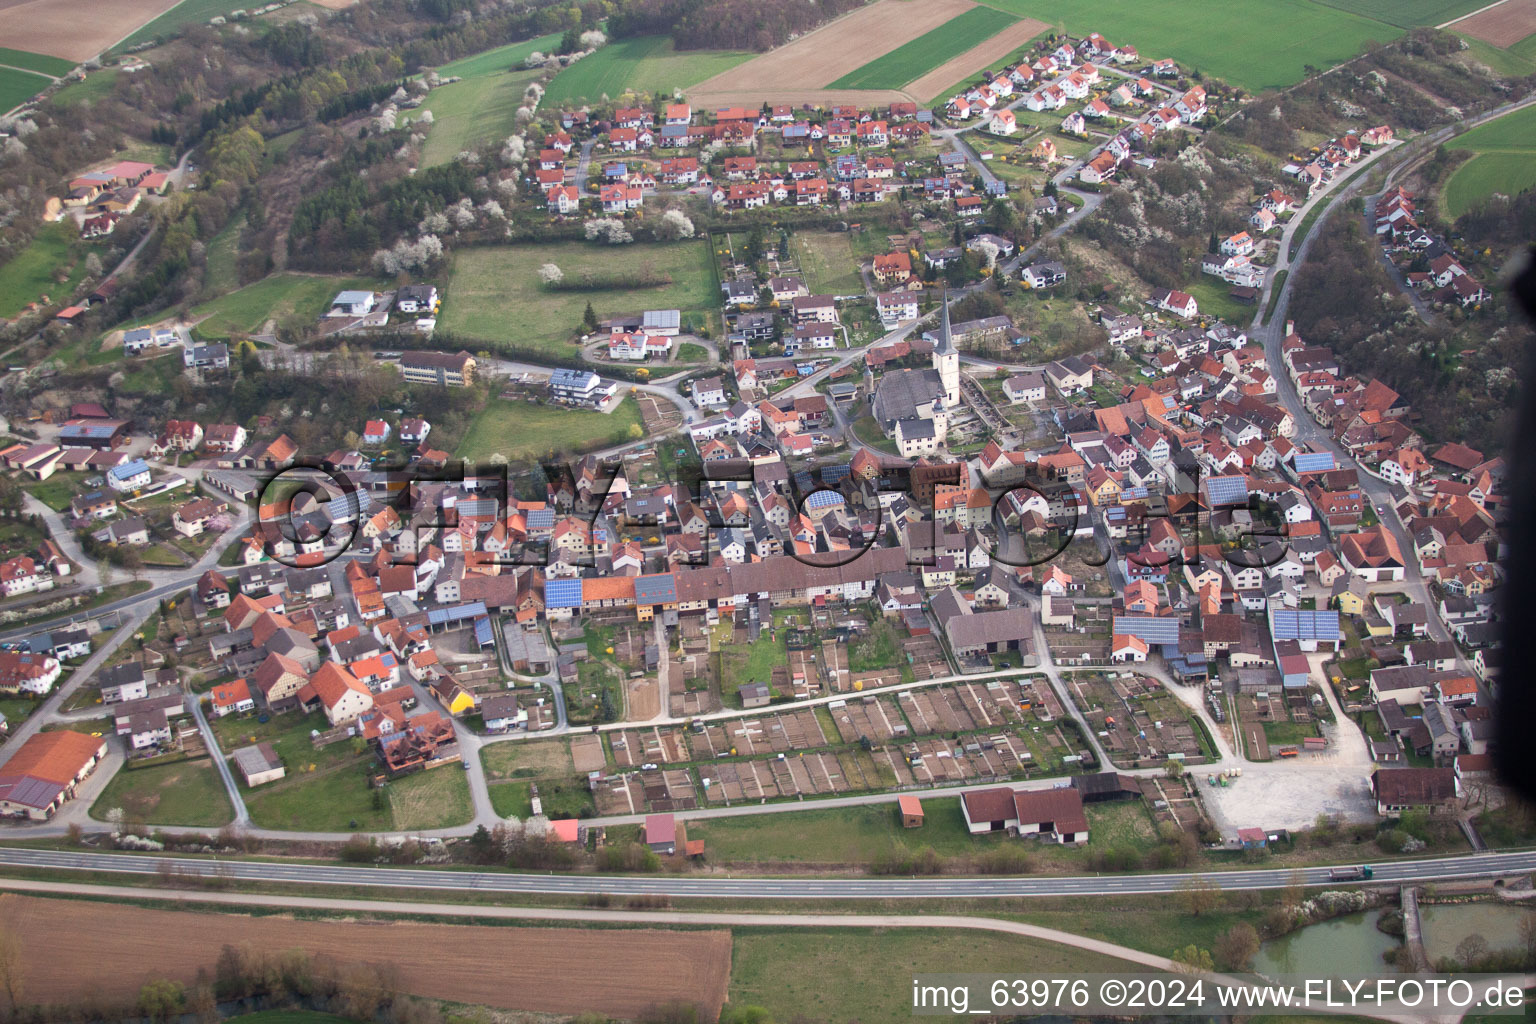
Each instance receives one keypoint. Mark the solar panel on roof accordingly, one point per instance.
(1152, 629)
(1314, 462)
(563, 593)
(1227, 490)
(483, 630)
(457, 613)
(1304, 624)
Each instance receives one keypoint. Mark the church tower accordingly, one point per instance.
(945, 359)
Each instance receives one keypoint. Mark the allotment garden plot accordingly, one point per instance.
(966, 733)
(1139, 723)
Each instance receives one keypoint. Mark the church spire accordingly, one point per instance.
(945, 343)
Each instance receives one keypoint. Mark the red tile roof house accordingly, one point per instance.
(231, 698)
(1055, 814)
(661, 833)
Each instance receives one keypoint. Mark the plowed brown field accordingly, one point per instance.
(76, 29)
(73, 948)
(791, 73)
(1505, 25)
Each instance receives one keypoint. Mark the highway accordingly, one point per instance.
(1393, 874)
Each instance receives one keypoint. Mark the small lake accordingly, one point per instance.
(1351, 946)
(1445, 926)
(1345, 947)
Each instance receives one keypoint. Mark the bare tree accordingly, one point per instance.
(1199, 894)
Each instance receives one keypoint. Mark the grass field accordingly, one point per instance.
(1513, 61)
(512, 768)
(88, 90)
(476, 112)
(187, 793)
(222, 254)
(1213, 295)
(16, 87)
(848, 835)
(864, 975)
(1505, 161)
(1487, 173)
(246, 309)
(326, 789)
(503, 58)
(1408, 13)
(917, 57)
(827, 262)
(494, 293)
(522, 430)
(1254, 44)
(183, 14)
(56, 67)
(287, 1017)
(643, 64)
(30, 275)
(333, 800)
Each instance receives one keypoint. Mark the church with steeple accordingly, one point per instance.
(913, 406)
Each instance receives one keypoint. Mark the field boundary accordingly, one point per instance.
(970, 64)
(1470, 14)
(893, 63)
(844, 44)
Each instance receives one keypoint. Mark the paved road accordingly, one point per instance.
(1393, 873)
(1271, 333)
(583, 163)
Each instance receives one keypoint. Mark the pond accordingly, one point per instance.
(1446, 925)
(1351, 946)
(1345, 947)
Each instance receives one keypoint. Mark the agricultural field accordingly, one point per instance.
(494, 294)
(1511, 25)
(1253, 44)
(1505, 161)
(523, 430)
(768, 967)
(16, 87)
(917, 57)
(187, 793)
(245, 310)
(538, 970)
(792, 73)
(77, 29)
(957, 72)
(53, 67)
(645, 64)
(476, 112)
(1487, 173)
(1408, 13)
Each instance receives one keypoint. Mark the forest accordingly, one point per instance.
(724, 24)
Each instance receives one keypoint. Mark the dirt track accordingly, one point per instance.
(1505, 25)
(75, 948)
(790, 73)
(77, 29)
(973, 61)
